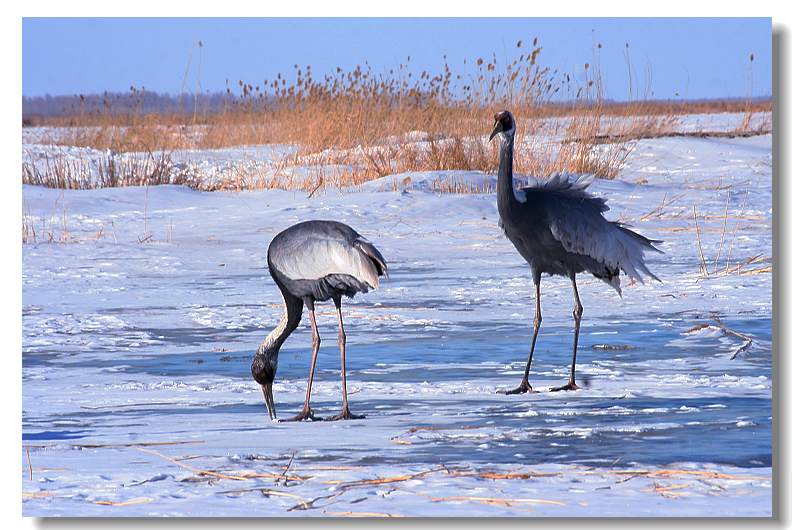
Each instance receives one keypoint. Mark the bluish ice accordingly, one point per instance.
(138, 400)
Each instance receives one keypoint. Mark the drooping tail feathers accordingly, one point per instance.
(636, 261)
(376, 257)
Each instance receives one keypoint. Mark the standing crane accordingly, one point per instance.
(314, 261)
(558, 227)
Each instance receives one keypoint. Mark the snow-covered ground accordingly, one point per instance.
(138, 333)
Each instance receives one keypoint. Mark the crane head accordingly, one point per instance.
(263, 369)
(504, 123)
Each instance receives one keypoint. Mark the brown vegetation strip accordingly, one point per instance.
(30, 466)
(382, 480)
(648, 135)
(343, 487)
(199, 472)
(136, 444)
(37, 494)
(511, 476)
(354, 126)
(244, 475)
(665, 473)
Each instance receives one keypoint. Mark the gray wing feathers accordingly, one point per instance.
(575, 220)
(563, 184)
(315, 249)
(365, 246)
(606, 242)
(316, 257)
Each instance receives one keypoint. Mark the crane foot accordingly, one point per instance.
(569, 386)
(306, 414)
(524, 387)
(345, 415)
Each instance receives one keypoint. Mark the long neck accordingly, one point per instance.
(506, 198)
(288, 323)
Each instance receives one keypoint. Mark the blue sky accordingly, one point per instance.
(694, 58)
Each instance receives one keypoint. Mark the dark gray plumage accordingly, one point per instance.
(558, 227)
(314, 261)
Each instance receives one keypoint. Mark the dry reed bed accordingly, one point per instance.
(549, 146)
(354, 126)
(587, 143)
(102, 170)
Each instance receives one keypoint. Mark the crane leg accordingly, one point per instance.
(307, 413)
(525, 386)
(344, 414)
(578, 314)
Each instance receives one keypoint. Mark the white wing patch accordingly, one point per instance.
(315, 258)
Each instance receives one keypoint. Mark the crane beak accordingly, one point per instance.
(266, 389)
(498, 128)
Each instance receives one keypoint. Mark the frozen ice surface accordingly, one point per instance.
(138, 400)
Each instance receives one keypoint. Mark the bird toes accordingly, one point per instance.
(346, 415)
(569, 386)
(524, 387)
(306, 414)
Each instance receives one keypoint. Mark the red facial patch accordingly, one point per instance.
(504, 118)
